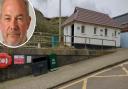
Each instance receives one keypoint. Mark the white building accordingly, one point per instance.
(85, 28)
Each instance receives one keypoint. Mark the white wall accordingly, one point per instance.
(88, 36)
(67, 33)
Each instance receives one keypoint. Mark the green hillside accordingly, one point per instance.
(46, 28)
(47, 25)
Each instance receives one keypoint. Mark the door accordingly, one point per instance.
(72, 35)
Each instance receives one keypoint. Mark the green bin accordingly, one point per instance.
(53, 65)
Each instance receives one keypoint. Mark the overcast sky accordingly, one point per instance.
(50, 8)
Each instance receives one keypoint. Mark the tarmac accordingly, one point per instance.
(68, 72)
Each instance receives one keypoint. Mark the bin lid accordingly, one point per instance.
(52, 55)
(5, 60)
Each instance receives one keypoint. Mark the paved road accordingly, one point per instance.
(112, 78)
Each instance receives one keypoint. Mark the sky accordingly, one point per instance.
(50, 8)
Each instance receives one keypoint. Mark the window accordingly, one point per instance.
(106, 31)
(78, 27)
(82, 29)
(101, 30)
(95, 30)
(112, 34)
(115, 33)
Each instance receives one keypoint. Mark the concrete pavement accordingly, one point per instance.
(67, 73)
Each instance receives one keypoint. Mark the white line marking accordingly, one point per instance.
(77, 81)
(124, 69)
(95, 75)
(102, 71)
(71, 84)
(110, 76)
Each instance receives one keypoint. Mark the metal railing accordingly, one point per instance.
(86, 40)
(41, 40)
(44, 40)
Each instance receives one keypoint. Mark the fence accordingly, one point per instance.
(46, 40)
(43, 40)
(75, 40)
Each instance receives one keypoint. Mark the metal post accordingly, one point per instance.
(59, 21)
(102, 46)
(85, 42)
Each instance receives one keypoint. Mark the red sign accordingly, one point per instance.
(5, 60)
(19, 59)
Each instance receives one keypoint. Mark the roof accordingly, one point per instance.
(91, 17)
(123, 19)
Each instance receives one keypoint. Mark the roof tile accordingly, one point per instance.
(91, 17)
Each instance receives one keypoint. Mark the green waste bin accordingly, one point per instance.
(53, 65)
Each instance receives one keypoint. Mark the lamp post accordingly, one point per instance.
(59, 21)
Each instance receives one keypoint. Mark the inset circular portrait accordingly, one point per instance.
(17, 22)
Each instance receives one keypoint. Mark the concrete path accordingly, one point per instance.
(67, 73)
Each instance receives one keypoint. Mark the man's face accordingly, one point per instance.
(14, 22)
